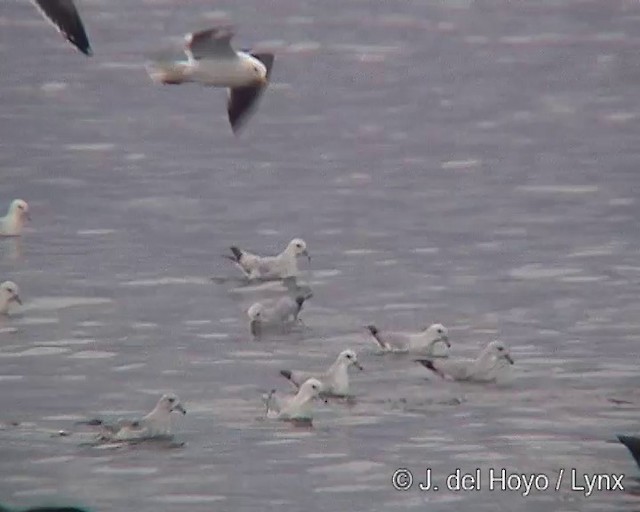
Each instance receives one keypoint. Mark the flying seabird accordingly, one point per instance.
(64, 16)
(212, 61)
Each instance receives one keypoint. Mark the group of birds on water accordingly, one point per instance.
(430, 345)
(211, 60)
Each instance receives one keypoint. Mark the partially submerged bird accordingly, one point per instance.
(294, 408)
(282, 266)
(13, 222)
(633, 445)
(490, 366)
(156, 424)
(9, 293)
(334, 381)
(282, 315)
(422, 343)
(212, 61)
(64, 16)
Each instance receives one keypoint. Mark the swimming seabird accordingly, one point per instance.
(156, 424)
(12, 223)
(490, 365)
(282, 266)
(283, 314)
(212, 61)
(294, 408)
(9, 292)
(422, 342)
(63, 15)
(335, 381)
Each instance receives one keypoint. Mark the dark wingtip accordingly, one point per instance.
(237, 253)
(372, 329)
(286, 374)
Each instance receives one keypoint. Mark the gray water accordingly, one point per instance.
(470, 163)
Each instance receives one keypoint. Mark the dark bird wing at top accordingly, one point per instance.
(243, 99)
(212, 42)
(64, 16)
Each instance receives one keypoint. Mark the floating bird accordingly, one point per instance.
(9, 292)
(13, 222)
(423, 342)
(156, 424)
(282, 266)
(212, 61)
(284, 313)
(64, 16)
(489, 366)
(294, 408)
(633, 445)
(335, 381)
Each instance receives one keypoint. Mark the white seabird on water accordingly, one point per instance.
(63, 15)
(9, 293)
(335, 381)
(423, 342)
(283, 314)
(282, 266)
(13, 222)
(212, 61)
(156, 424)
(294, 408)
(490, 366)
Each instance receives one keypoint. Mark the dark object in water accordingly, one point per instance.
(633, 445)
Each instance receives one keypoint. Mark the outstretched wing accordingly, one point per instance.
(243, 99)
(211, 42)
(64, 16)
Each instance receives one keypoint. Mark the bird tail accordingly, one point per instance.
(286, 374)
(237, 254)
(375, 332)
(428, 363)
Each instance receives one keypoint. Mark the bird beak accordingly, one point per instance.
(179, 407)
(17, 298)
(358, 365)
(509, 358)
(27, 215)
(306, 253)
(445, 340)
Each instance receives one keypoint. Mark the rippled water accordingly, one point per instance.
(470, 163)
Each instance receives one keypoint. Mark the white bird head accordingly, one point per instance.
(258, 70)
(499, 350)
(10, 292)
(256, 311)
(309, 390)
(438, 332)
(349, 358)
(298, 247)
(169, 403)
(19, 208)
